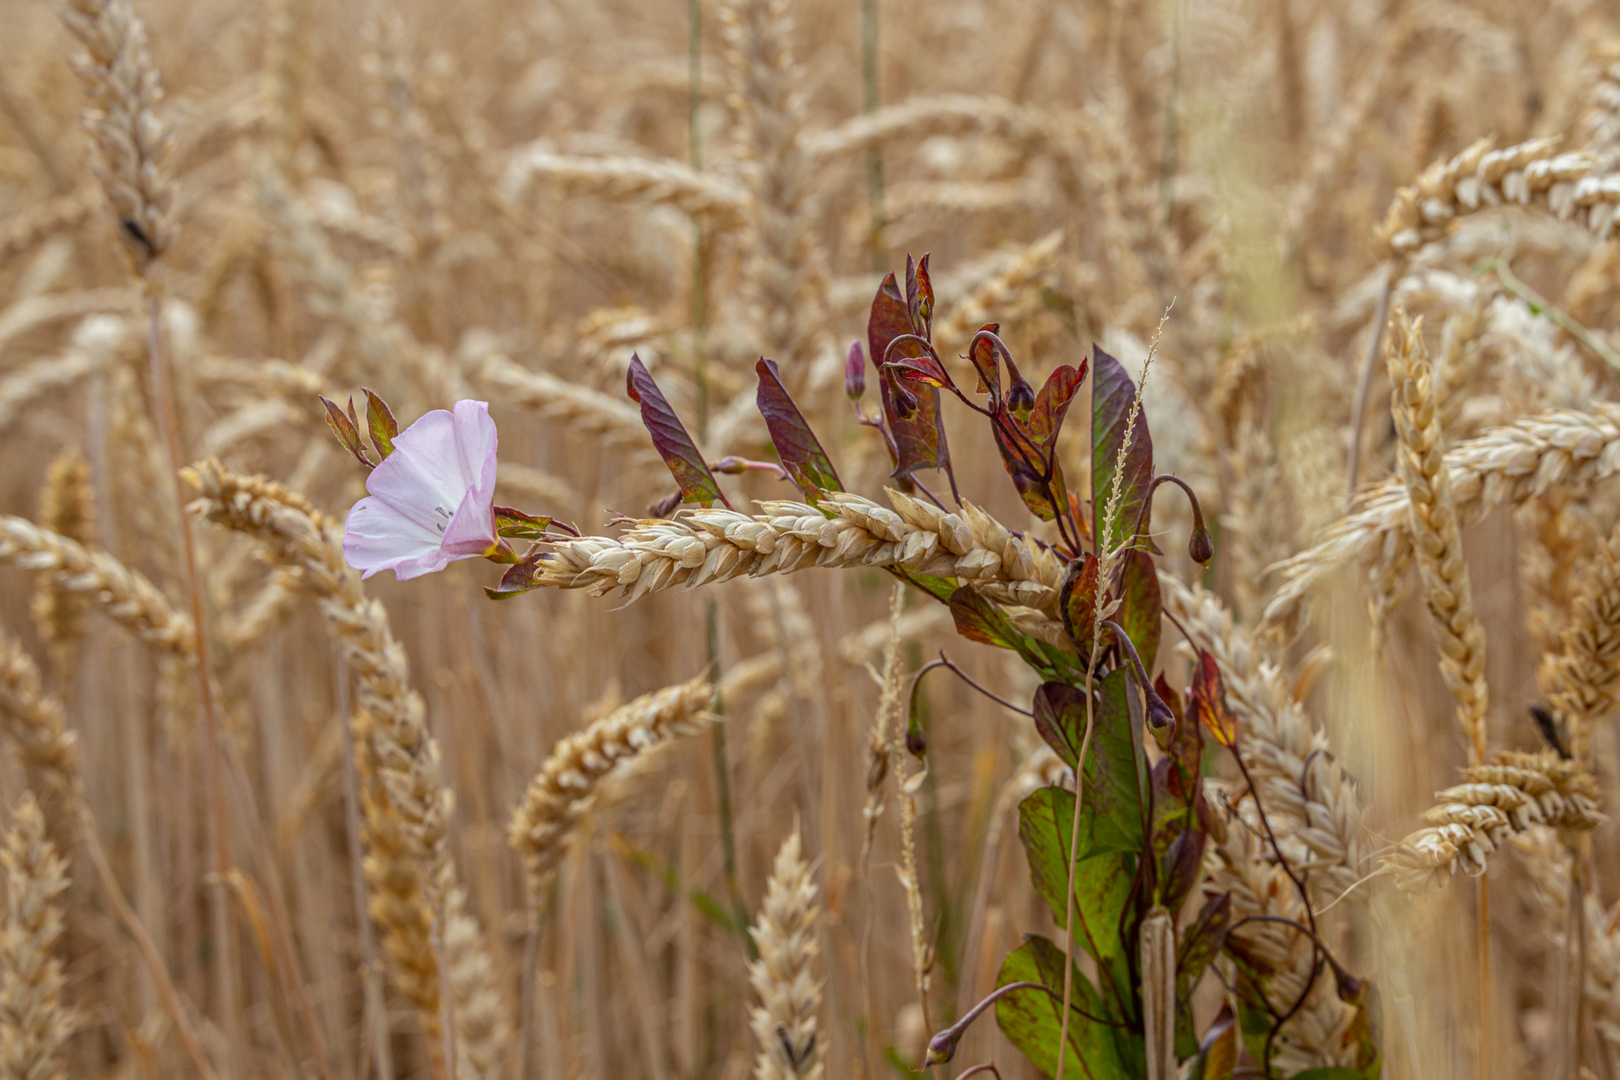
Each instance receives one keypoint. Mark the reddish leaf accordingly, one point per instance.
(919, 297)
(1209, 702)
(380, 421)
(669, 437)
(1024, 460)
(1052, 405)
(1077, 597)
(347, 429)
(1112, 393)
(1060, 718)
(982, 352)
(517, 525)
(801, 453)
(922, 369)
(919, 435)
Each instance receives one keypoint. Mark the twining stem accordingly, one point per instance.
(219, 910)
(1074, 846)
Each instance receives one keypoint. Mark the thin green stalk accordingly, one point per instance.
(711, 613)
(1540, 306)
(874, 156)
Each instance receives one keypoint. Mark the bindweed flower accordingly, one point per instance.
(431, 500)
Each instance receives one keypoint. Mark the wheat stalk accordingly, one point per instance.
(34, 1023)
(1583, 678)
(784, 976)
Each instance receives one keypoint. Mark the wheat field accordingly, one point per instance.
(814, 711)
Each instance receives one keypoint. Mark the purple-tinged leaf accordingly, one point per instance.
(1060, 719)
(801, 452)
(1112, 393)
(977, 619)
(913, 418)
(520, 577)
(669, 437)
(516, 525)
(1077, 601)
(380, 421)
(347, 429)
(1052, 405)
(855, 373)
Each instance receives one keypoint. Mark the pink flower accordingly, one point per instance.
(432, 500)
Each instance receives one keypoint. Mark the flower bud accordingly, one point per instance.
(855, 372)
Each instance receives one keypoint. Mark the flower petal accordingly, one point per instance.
(422, 478)
(377, 536)
(476, 443)
(472, 530)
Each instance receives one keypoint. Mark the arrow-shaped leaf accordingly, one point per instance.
(797, 446)
(670, 439)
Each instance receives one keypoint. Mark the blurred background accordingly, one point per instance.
(505, 201)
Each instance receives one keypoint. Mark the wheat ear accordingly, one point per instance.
(1494, 803)
(1436, 534)
(1560, 452)
(126, 595)
(130, 142)
(1533, 173)
(703, 546)
(784, 976)
(788, 275)
(33, 1021)
(628, 179)
(1583, 678)
(67, 508)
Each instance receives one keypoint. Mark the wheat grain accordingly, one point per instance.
(784, 976)
(627, 179)
(35, 720)
(67, 507)
(34, 1023)
(1583, 678)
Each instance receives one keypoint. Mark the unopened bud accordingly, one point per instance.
(855, 372)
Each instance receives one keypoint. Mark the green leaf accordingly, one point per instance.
(1032, 1019)
(670, 439)
(1045, 819)
(977, 619)
(1141, 609)
(801, 453)
(1122, 779)
(380, 422)
(1112, 393)
(940, 588)
(517, 525)
(347, 429)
